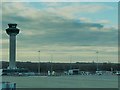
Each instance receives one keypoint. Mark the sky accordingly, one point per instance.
(62, 31)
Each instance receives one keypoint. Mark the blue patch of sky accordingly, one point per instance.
(106, 14)
(44, 5)
(103, 15)
(111, 14)
(36, 5)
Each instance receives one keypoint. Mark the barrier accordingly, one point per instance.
(8, 86)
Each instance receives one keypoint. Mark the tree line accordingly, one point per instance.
(61, 67)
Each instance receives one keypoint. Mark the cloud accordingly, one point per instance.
(59, 29)
(65, 10)
(104, 21)
(87, 20)
(4, 41)
(60, 1)
(49, 27)
(64, 53)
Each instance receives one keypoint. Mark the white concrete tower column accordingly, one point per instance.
(12, 31)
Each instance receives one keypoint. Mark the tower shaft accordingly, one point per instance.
(12, 52)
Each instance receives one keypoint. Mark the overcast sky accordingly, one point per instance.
(63, 31)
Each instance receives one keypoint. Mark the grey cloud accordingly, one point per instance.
(58, 30)
(65, 32)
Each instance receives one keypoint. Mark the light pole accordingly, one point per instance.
(39, 63)
(97, 60)
(71, 62)
(51, 68)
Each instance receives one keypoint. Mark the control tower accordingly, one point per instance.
(12, 31)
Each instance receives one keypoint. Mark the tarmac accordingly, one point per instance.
(70, 81)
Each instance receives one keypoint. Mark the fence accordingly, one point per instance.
(8, 86)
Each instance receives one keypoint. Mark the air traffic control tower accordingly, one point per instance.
(12, 31)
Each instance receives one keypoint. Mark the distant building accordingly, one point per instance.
(1, 70)
(73, 72)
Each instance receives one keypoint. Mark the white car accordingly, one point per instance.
(99, 72)
(1, 70)
(117, 73)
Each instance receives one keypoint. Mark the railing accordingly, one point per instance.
(8, 86)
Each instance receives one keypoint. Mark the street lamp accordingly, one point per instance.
(51, 68)
(97, 60)
(70, 62)
(39, 63)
